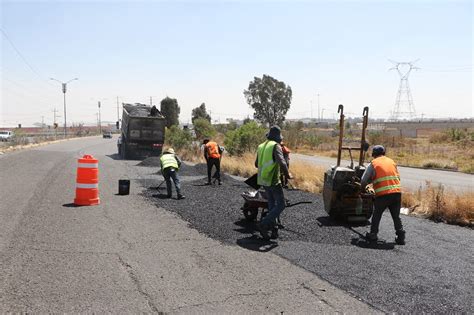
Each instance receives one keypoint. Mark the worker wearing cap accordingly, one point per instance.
(382, 172)
(269, 162)
(170, 164)
(212, 154)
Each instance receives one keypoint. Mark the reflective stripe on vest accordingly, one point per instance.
(387, 179)
(268, 169)
(168, 160)
(212, 150)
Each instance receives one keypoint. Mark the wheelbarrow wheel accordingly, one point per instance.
(250, 213)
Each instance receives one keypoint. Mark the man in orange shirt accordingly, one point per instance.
(212, 154)
(382, 172)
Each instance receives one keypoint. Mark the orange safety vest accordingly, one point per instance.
(387, 179)
(213, 150)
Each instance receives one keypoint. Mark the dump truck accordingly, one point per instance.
(342, 195)
(142, 132)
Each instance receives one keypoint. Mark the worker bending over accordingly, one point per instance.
(269, 162)
(212, 154)
(170, 164)
(382, 172)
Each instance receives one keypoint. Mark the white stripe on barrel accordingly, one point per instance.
(87, 186)
(87, 165)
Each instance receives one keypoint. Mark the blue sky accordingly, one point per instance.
(208, 51)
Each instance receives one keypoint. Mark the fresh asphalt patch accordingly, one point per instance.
(433, 273)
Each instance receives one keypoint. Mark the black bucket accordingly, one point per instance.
(124, 186)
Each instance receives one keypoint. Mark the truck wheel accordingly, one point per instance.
(250, 213)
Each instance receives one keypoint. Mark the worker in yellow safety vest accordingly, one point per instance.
(382, 172)
(170, 164)
(269, 161)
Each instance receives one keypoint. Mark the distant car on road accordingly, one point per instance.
(6, 135)
(107, 134)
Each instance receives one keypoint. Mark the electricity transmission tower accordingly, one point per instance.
(404, 107)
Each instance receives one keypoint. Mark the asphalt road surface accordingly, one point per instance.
(128, 255)
(142, 253)
(412, 178)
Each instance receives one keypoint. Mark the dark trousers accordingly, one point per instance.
(276, 205)
(393, 203)
(217, 163)
(171, 174)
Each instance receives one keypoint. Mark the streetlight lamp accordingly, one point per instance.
(64, 85)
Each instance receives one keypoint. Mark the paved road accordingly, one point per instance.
(129, 254)
(412, 178)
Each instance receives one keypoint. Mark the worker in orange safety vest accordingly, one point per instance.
(212, 154)
(382, 172)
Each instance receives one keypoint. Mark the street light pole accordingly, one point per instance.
(100, 121)
(64, 86)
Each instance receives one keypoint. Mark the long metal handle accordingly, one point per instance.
(340, 109)
(365, 115)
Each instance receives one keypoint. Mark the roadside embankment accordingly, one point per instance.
(9, 147)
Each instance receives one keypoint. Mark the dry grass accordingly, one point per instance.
(441, 205)
(307, 177)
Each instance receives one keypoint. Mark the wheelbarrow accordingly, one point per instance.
(256, 200)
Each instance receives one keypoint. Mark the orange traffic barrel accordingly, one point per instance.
(87, 181)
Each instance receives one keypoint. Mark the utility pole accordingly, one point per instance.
(311, 109)
(100, 122)
(42, 122)
(64, 86)
(151, 100)
(54, 122)
(404, 107)
(319, 112)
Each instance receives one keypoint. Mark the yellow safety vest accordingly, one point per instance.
(268, 169)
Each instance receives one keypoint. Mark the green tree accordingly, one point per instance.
(269, 98)
(170, 109)
(203, 128)
(178, 138)
(246, 138)
(200, 112)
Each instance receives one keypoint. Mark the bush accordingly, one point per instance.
(203, 129)
(178, 138)
(244, 139)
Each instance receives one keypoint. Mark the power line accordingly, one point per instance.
(23, 58)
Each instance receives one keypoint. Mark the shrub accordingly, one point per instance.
(244, 139)
(203, 128)
(178, 138)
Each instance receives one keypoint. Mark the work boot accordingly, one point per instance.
(264, 231)
(208, 184)
(371, 237)
(220, 183)
(168, 196)
(400, 240)
(181, 197)
(274, 234)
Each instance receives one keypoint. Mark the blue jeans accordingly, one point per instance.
(276, 204)
(170, 173)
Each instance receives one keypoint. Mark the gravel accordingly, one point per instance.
(433, 273)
